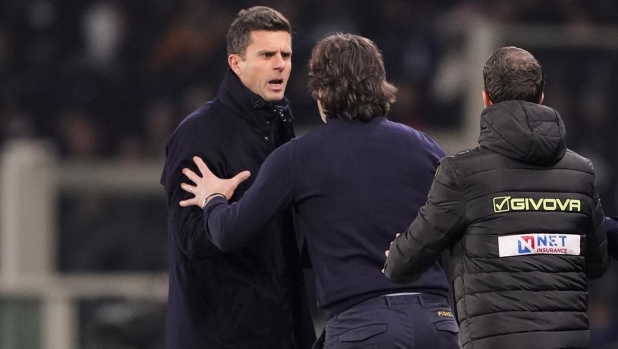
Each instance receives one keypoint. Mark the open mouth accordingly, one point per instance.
(276, 82)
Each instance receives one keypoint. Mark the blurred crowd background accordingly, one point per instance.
(111, 79)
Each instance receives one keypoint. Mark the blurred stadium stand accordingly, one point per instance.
(91, 89)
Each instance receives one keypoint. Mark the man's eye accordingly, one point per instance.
(267, 54)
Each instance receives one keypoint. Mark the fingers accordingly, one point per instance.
(396, 236)
(190, 174)
(386, 254)
(201, 165)
(189, 188)
(189, 202)
(241, 177)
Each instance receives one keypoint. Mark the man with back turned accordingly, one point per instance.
(352, 181)
(522, 217)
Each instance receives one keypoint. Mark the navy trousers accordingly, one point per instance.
(421, 321)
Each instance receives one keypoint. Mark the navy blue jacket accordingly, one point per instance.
(353, 186)
(253, 297)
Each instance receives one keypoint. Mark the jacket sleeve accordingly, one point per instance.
(438, 225)
(231, 227)
(611, 226)
(597, 258)
(186, 223)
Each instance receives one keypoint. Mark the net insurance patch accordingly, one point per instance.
(525, 244)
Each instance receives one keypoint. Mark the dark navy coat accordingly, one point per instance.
(252, 298)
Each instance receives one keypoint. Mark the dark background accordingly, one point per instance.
(110, 80)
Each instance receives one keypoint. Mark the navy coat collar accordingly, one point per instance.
(248, 105)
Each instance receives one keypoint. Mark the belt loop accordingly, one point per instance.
(421, 300)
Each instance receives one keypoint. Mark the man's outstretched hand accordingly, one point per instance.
(209, 184)
(387, 251)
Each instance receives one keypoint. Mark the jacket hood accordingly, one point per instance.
(527, 132)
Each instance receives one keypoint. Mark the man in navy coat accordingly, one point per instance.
(254, 297)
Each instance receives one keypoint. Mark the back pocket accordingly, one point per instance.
(447, 334)
(362, 333)
(448, 326)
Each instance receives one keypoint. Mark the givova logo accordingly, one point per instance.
(508, 203)
(517, 245)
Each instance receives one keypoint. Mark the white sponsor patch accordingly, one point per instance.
(519, 245)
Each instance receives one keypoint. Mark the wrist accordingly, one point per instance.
(209, 197)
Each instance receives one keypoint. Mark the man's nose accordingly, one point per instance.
(279, 61)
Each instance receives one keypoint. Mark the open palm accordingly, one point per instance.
(209, 185)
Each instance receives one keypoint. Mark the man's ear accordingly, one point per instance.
(486, 101)
(542, 97)
(234, 60)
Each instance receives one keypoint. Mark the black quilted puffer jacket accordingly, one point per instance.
(522, 217)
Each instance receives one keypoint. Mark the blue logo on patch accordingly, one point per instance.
(525, 244)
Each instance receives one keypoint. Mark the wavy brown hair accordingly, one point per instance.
(346, 73)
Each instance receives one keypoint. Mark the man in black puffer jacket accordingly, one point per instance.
(522, 217)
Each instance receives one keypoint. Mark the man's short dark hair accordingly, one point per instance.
(512, 73)
(251, 19)
(346, 73)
